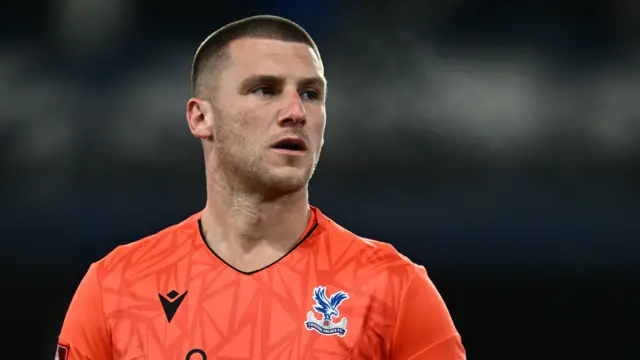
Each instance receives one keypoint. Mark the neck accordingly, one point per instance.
(249, 232)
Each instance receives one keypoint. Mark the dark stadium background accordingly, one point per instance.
(494, 141)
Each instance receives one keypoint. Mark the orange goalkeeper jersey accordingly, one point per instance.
(334, 296)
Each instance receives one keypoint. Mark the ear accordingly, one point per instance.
(200, 118)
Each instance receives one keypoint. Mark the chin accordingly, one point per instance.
(288, 179)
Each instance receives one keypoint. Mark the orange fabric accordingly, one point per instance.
(85, 332)
(386, 307)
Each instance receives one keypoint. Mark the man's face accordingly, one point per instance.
(269, 114)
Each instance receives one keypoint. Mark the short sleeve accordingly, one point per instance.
(424, 328)
(85, 333)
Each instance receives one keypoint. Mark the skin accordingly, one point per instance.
(257, 197)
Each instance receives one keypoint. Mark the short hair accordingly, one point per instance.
(213, 51)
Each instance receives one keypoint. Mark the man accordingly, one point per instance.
(258, 273)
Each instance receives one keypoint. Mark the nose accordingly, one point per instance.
(294, 113)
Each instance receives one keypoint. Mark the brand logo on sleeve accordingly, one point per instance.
(62, 352)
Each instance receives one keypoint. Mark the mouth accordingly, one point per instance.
(290, 145)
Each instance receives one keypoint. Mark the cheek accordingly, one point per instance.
(231, 128)
(241, 138)
(317, 127)
(234, 135)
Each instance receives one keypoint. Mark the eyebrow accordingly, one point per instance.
(314, 81)
(254, 80)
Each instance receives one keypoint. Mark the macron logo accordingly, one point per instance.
(171, 302)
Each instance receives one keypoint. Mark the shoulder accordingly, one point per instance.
(395, 263)
(373, 256)
(166, 242)
(379, 277)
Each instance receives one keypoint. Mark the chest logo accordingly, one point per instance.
(328, 308)
(171, 302)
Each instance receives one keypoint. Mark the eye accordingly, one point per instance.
(263, 90)
(310, 94)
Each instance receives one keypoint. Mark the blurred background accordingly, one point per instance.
(496, 142)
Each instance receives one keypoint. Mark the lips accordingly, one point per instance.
(290, 144)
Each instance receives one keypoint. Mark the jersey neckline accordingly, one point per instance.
(311, 227)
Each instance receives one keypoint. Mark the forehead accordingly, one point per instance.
(272, 57)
